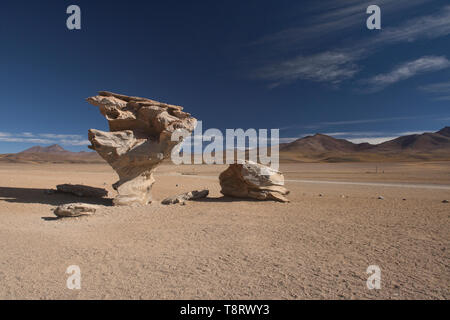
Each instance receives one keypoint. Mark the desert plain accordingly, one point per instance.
(318, 246)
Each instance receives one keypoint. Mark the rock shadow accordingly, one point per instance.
(36, 195)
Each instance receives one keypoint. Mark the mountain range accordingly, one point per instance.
(316, 148)
(51, 154)
(414, 147)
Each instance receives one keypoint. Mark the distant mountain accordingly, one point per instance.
(444, 132)
(319, 147)
(55, 148)
(51, 154)
(322, 143)
(418, 142)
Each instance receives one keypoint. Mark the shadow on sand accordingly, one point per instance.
(35, 195)
(224, 199)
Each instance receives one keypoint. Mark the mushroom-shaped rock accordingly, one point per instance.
(253, 180)
(140, 138)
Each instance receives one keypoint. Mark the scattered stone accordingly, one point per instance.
(380, 198)
(253, 180)
(445, 201)
(181, 198)
(82, 190)
(139, 140)
(75, 210)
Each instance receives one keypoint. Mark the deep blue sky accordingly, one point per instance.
(302, 66)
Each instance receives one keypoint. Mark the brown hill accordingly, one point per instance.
(416, 147)
(320, 143)
(418, 142)
(51, 154)
(55, 148)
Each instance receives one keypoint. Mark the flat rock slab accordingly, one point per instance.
(75, 210)
(192, 195)
(82, 191)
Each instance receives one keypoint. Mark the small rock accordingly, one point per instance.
(380, 198)
(82, 190)
(181, 198)
(445, 201)
(320, 195)
(404, 199)
(75, 210)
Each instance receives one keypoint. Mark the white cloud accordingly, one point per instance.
(371, 140)
(75, 142)
(330, 66)
(425, 27)
(26, 140)
(441, 89)
(407, 70)
(44, 138)
(60, 136)
(336, 65)
(329, 18)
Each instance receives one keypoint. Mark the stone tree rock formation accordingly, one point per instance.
(253, 180)
(139, 139)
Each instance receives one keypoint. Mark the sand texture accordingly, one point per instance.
(315, 247)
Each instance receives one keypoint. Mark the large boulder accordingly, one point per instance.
(139, 140)
(253, 180)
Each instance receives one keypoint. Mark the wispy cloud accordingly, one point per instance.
(372, 137)
(324, 124)
(441, 89)
(44, 138)
(328, 18)
(336, 65)
(376, 140)
(425, 27)
(408, 70)
(333, 67)
(25, 140)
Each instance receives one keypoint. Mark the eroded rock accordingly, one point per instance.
(82, 190)
(75, 210)
(181, 198)
(139, 140)
(253, 180)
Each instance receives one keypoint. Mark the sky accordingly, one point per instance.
(300, 66)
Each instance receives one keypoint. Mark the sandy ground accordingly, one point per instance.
(316, 247)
